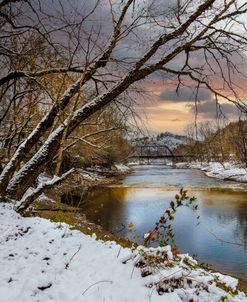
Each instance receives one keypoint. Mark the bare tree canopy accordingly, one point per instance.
(73, 59)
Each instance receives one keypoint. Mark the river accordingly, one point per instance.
(142, 197)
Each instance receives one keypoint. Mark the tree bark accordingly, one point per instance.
(24, 177)
(47, 122)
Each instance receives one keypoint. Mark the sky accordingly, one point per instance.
(169, 109)
(163, 108)
(166, 109)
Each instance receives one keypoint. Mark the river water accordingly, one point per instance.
(143, 196)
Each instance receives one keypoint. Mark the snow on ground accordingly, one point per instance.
(226, 171)
(122, 168)
(42, 261)
(87, 175)
(172, 140)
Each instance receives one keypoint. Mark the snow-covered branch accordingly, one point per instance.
(47, 122)
(27, 200)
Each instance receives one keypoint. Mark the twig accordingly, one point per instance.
(225, 241)
(132, 272)
(150, 295)
(68, 263)
(96, 284)
(120, 230)
(119, 251)
(45, 287)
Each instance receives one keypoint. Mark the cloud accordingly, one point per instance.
(176, 120)
(210, 109)
(185, 94)
(125, 53)
(161, 7)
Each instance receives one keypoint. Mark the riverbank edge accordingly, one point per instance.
(64, 242)
(77, 220)
(50, 207)
(74, 216)
(224, 171)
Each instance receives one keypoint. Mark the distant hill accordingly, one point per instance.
(228, 143)
(167, 139)
(172, 140)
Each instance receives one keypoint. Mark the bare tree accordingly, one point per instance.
(205, 40)
(238, 138)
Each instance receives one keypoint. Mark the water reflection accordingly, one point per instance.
(143, 196)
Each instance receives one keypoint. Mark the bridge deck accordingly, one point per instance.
(160, 156)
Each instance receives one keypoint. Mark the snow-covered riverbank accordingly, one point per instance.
(225, 171)
(44, 261)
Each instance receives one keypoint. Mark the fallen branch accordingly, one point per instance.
(30, 197)
(58, 210)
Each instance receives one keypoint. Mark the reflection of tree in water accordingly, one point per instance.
(224, 218)
(107, 208)
(228, 207)
(240, 232)
(240, 219)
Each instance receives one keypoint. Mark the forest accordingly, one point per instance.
(78, 81)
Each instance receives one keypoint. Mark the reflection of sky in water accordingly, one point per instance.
(162, 175)
(143, 196)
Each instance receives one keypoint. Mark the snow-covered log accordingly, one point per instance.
(27, 200)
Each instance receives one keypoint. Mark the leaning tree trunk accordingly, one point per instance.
(47, 122)
(24, 177)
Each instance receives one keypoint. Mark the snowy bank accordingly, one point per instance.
(225, 171)
(45, 261)
(122, 168)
